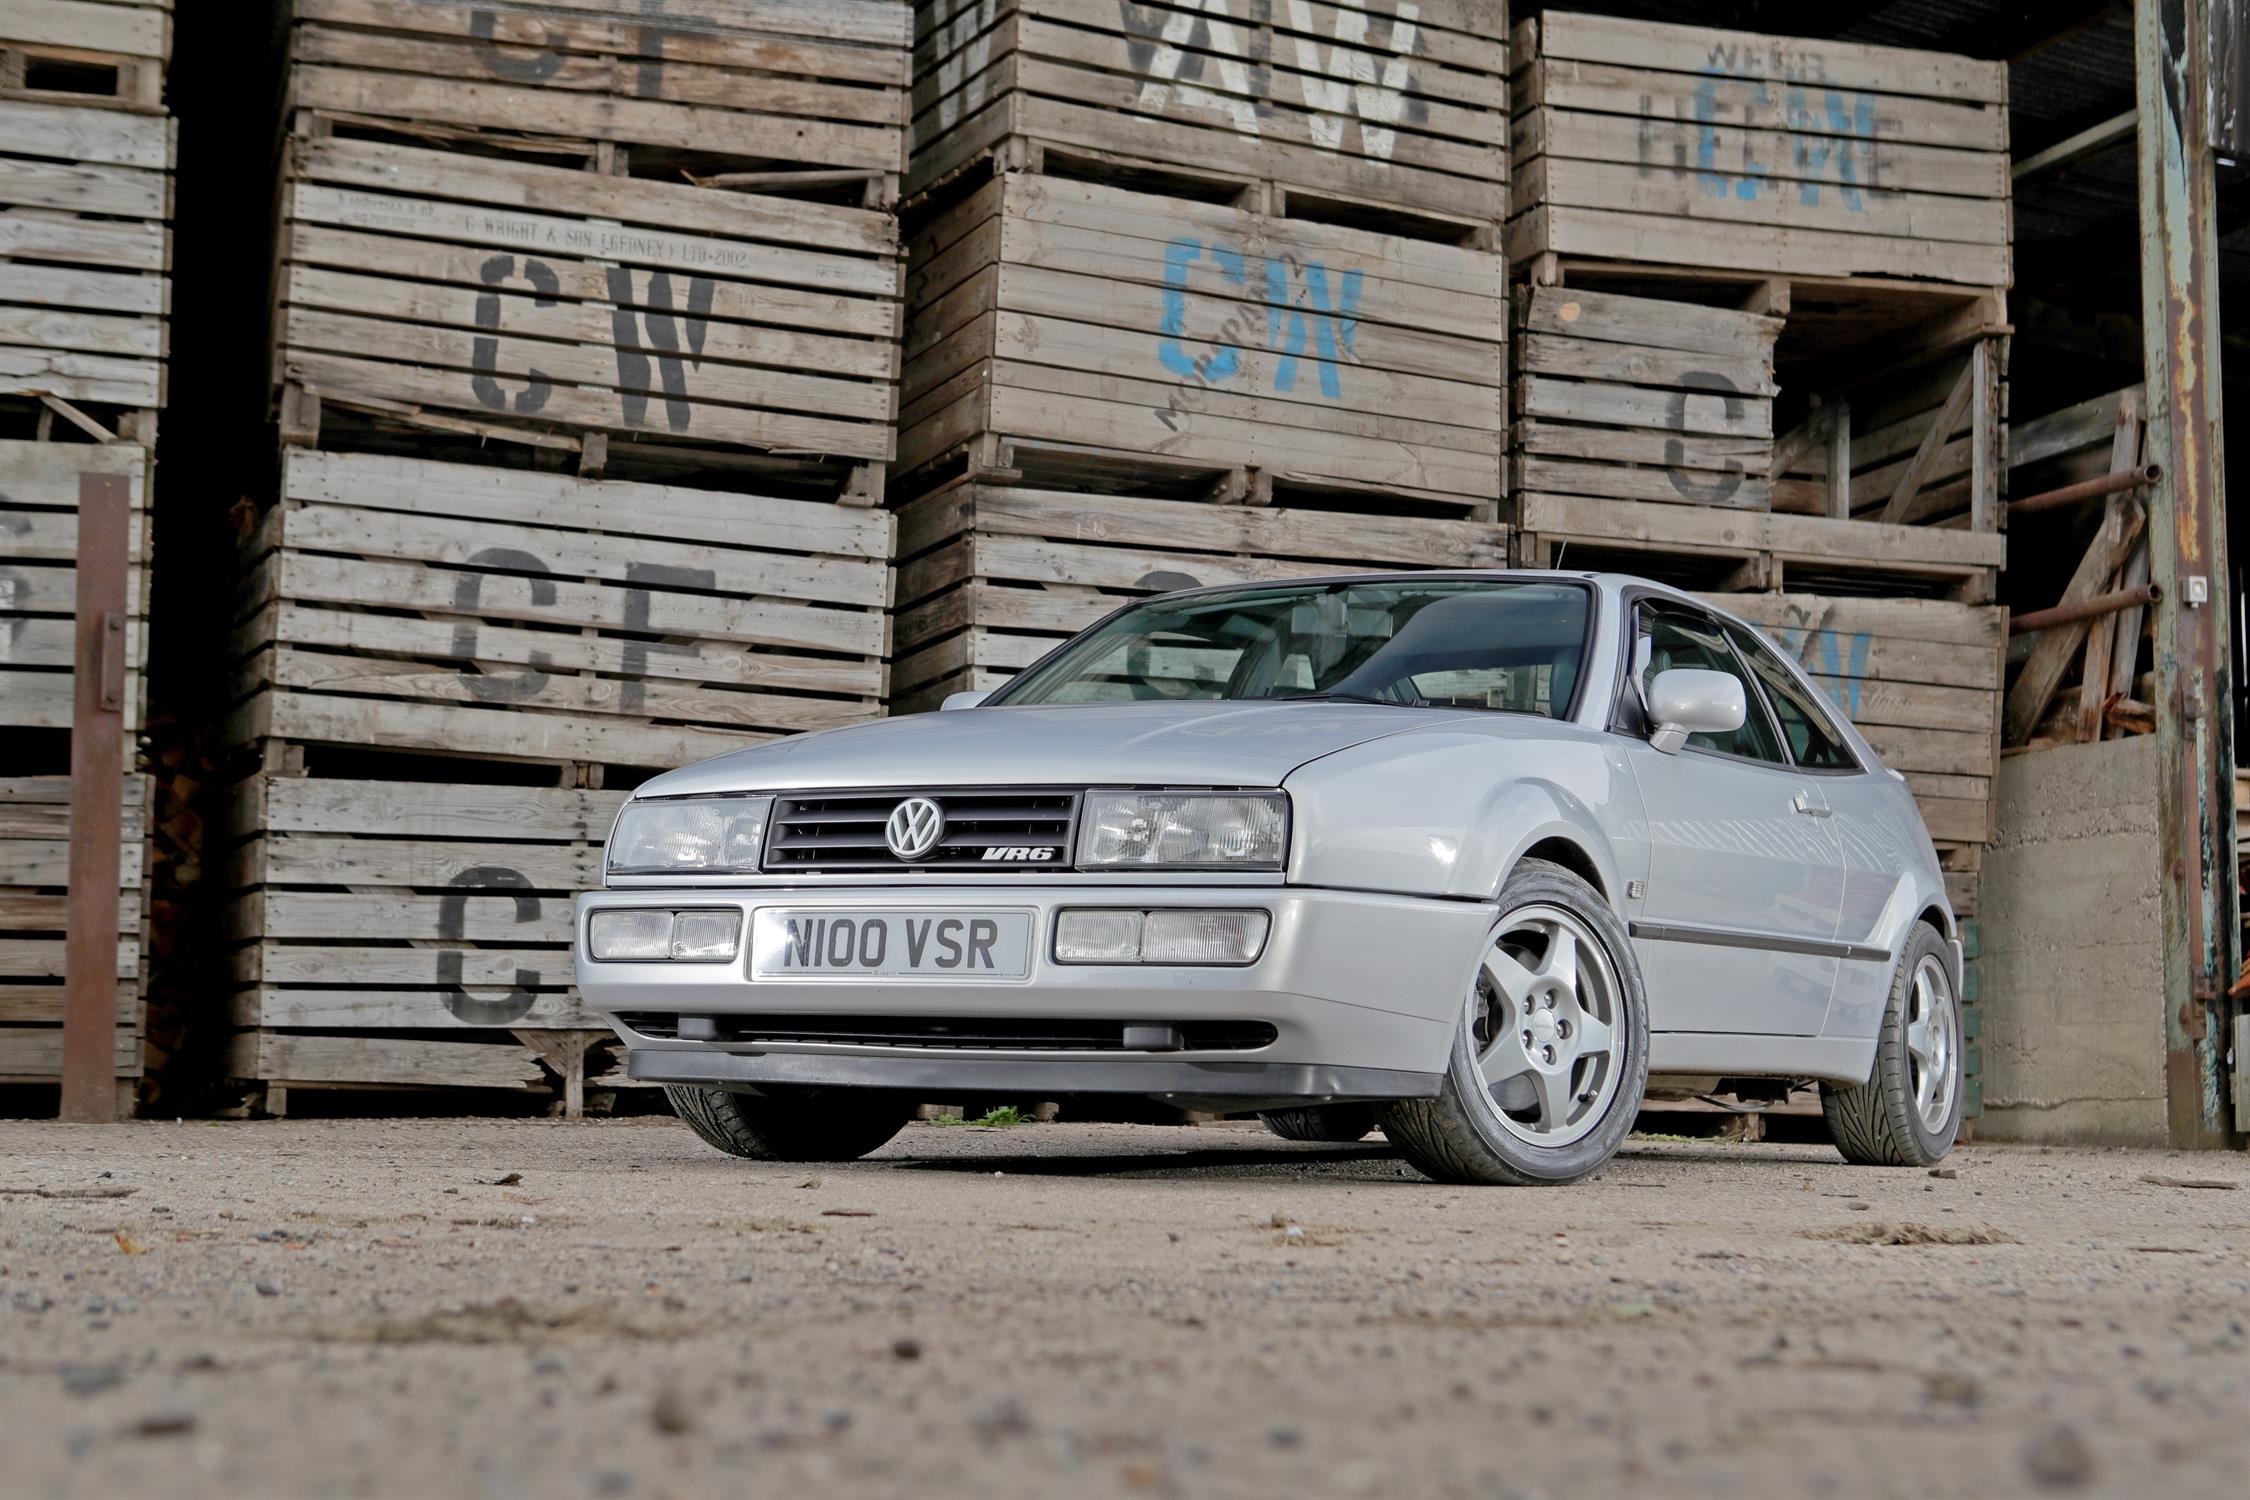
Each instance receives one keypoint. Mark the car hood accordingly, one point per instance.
(1201, 743)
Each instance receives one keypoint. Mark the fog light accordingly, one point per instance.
(707, 936)
(1188, 937)
(1203, 937)
(1098, 937)
(703, 937)
(629, 935)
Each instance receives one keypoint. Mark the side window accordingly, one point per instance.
(1814, 742)
(1678, 639)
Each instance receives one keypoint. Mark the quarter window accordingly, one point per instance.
(1678, 639)
(1814, 742)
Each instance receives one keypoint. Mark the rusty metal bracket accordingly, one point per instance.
(97, 800)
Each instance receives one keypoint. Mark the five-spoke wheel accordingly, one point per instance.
(1552, 1050)
(1543, 1015)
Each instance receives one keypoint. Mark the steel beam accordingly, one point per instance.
(2187, 559)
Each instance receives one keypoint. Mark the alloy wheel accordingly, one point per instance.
(1544, 1018)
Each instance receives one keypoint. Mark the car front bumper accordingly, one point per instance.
(1363, 993)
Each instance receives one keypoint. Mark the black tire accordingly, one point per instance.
(1457, 1136)
(1322, 1122)
(825, 1126)
(1877, 1123)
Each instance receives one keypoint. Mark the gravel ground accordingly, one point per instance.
(437, 1308)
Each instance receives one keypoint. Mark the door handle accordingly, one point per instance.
(1804, 803)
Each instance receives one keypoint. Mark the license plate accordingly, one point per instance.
(959, 945)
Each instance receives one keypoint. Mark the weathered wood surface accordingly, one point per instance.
(408, 905)
(38, 576)
(409, 604)
(34, 903)
(548, 300)
(1636, 398)
(1390, 104)
(85, 252)
(1920, 678)
(994, 576)
(110, 53)
(1081, 317)
(1706, 546)
(1686, 146)
(725, 85)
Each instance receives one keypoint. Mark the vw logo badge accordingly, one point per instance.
(915, 827)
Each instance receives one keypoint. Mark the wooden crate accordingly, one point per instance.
(1707, 547)
(365, 910)
(85, 259)
(1076, 332)
(1681, 145)
(504, 614)
(114, 50)
(648, 326)
(1921, 679)
(1335, 108)
(39, 591)
(991, 577)
(34, 898)
(781, 93)
(1636, 398)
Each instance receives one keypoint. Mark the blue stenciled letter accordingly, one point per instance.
(1220, 362)
(1335, 324)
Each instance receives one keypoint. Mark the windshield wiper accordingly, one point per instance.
(1355, 698)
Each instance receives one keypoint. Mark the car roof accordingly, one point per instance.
(1607, 583)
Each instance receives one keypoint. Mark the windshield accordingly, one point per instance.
(1511, 645)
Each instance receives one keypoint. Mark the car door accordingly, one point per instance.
(1737, 930)
(1876, 825)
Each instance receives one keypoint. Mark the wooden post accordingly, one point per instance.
(97, 801)
(2187, 559)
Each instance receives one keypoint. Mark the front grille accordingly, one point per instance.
(972, 1033)
(844, 831)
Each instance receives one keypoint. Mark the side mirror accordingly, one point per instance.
(971, 700)
(1690, 700)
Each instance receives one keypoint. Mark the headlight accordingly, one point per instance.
(1184, 830)
(690, 836)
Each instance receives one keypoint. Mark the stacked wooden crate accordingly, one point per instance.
(1192, 297)
(586, 321)
(86, 158)
(1689, 146)
(1675, 187)
(1385, 110)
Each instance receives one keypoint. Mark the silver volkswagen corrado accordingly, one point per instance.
(1482, 858)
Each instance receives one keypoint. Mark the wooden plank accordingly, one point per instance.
(1809, 537)
(291, 1057)
(1782, 60)
(752, 523)
(1941, 428)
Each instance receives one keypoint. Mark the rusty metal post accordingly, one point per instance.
(2187, 559)
(97, 801)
